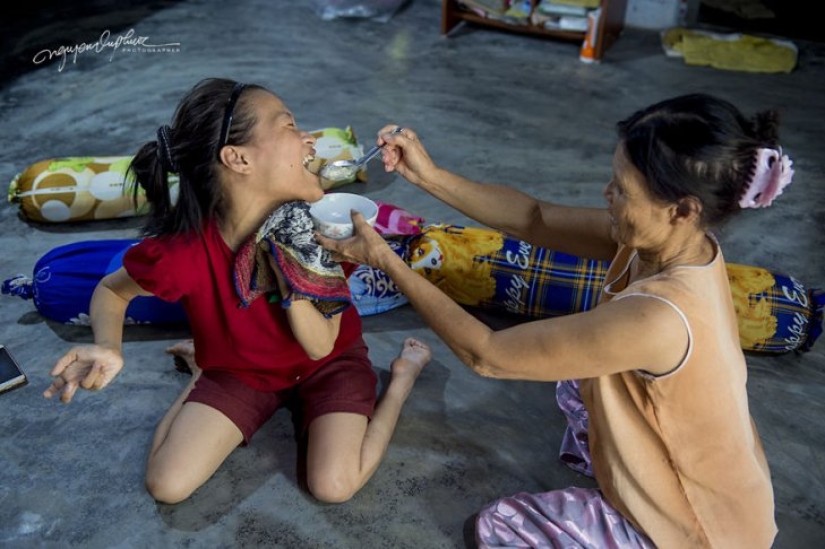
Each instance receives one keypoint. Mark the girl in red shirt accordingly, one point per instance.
(239, 156)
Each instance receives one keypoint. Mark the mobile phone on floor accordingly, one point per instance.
(11, 375)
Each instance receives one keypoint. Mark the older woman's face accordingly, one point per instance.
(637, 219)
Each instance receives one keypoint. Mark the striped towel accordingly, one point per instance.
(308, 268)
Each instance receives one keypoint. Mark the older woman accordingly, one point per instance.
(662, 372)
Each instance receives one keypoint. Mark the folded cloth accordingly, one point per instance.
(307, 267)
(739, 52)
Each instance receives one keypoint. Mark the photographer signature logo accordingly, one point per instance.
(128, 42)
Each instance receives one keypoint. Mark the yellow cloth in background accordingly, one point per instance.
(739, 52)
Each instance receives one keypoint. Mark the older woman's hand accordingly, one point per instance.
(365, 246)
(404, 153)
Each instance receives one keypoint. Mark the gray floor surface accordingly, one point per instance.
(491, 105)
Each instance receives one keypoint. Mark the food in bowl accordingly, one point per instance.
(331, 215)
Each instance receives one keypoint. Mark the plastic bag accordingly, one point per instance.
(380, 10)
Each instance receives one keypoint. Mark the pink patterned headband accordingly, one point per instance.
(772, 174)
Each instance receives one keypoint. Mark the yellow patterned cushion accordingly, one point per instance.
(77, 189)
(85, 188)
(484, 268)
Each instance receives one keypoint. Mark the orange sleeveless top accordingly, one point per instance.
(678, 454)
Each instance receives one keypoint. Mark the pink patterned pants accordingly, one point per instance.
(569, 518)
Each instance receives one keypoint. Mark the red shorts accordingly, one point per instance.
(346, 383)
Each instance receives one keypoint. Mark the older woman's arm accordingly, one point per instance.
(574, 230)
(628, 334)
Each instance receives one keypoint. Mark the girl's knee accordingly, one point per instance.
(167, 488)
(331, 488)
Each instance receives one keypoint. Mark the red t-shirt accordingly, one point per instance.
(255, 343)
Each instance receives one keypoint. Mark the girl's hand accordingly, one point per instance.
(91, 367)
(283, 287)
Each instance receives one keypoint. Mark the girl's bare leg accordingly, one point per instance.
(190, 442)
(344, 450)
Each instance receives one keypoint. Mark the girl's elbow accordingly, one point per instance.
(313, 355)
(317, 352)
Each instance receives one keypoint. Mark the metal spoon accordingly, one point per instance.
(341, 170)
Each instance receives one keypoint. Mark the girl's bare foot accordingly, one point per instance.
(184, 355)
(412, 359)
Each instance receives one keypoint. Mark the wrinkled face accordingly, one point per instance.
(281, 152)
(637, 219)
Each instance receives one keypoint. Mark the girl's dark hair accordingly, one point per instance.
(700, 146)
(190, 147)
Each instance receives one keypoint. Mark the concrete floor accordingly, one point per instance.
(491, 105)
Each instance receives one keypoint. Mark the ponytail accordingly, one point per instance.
(766, 128)
(702, 146)
(152, 176)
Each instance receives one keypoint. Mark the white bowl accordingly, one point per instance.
(331, 215)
